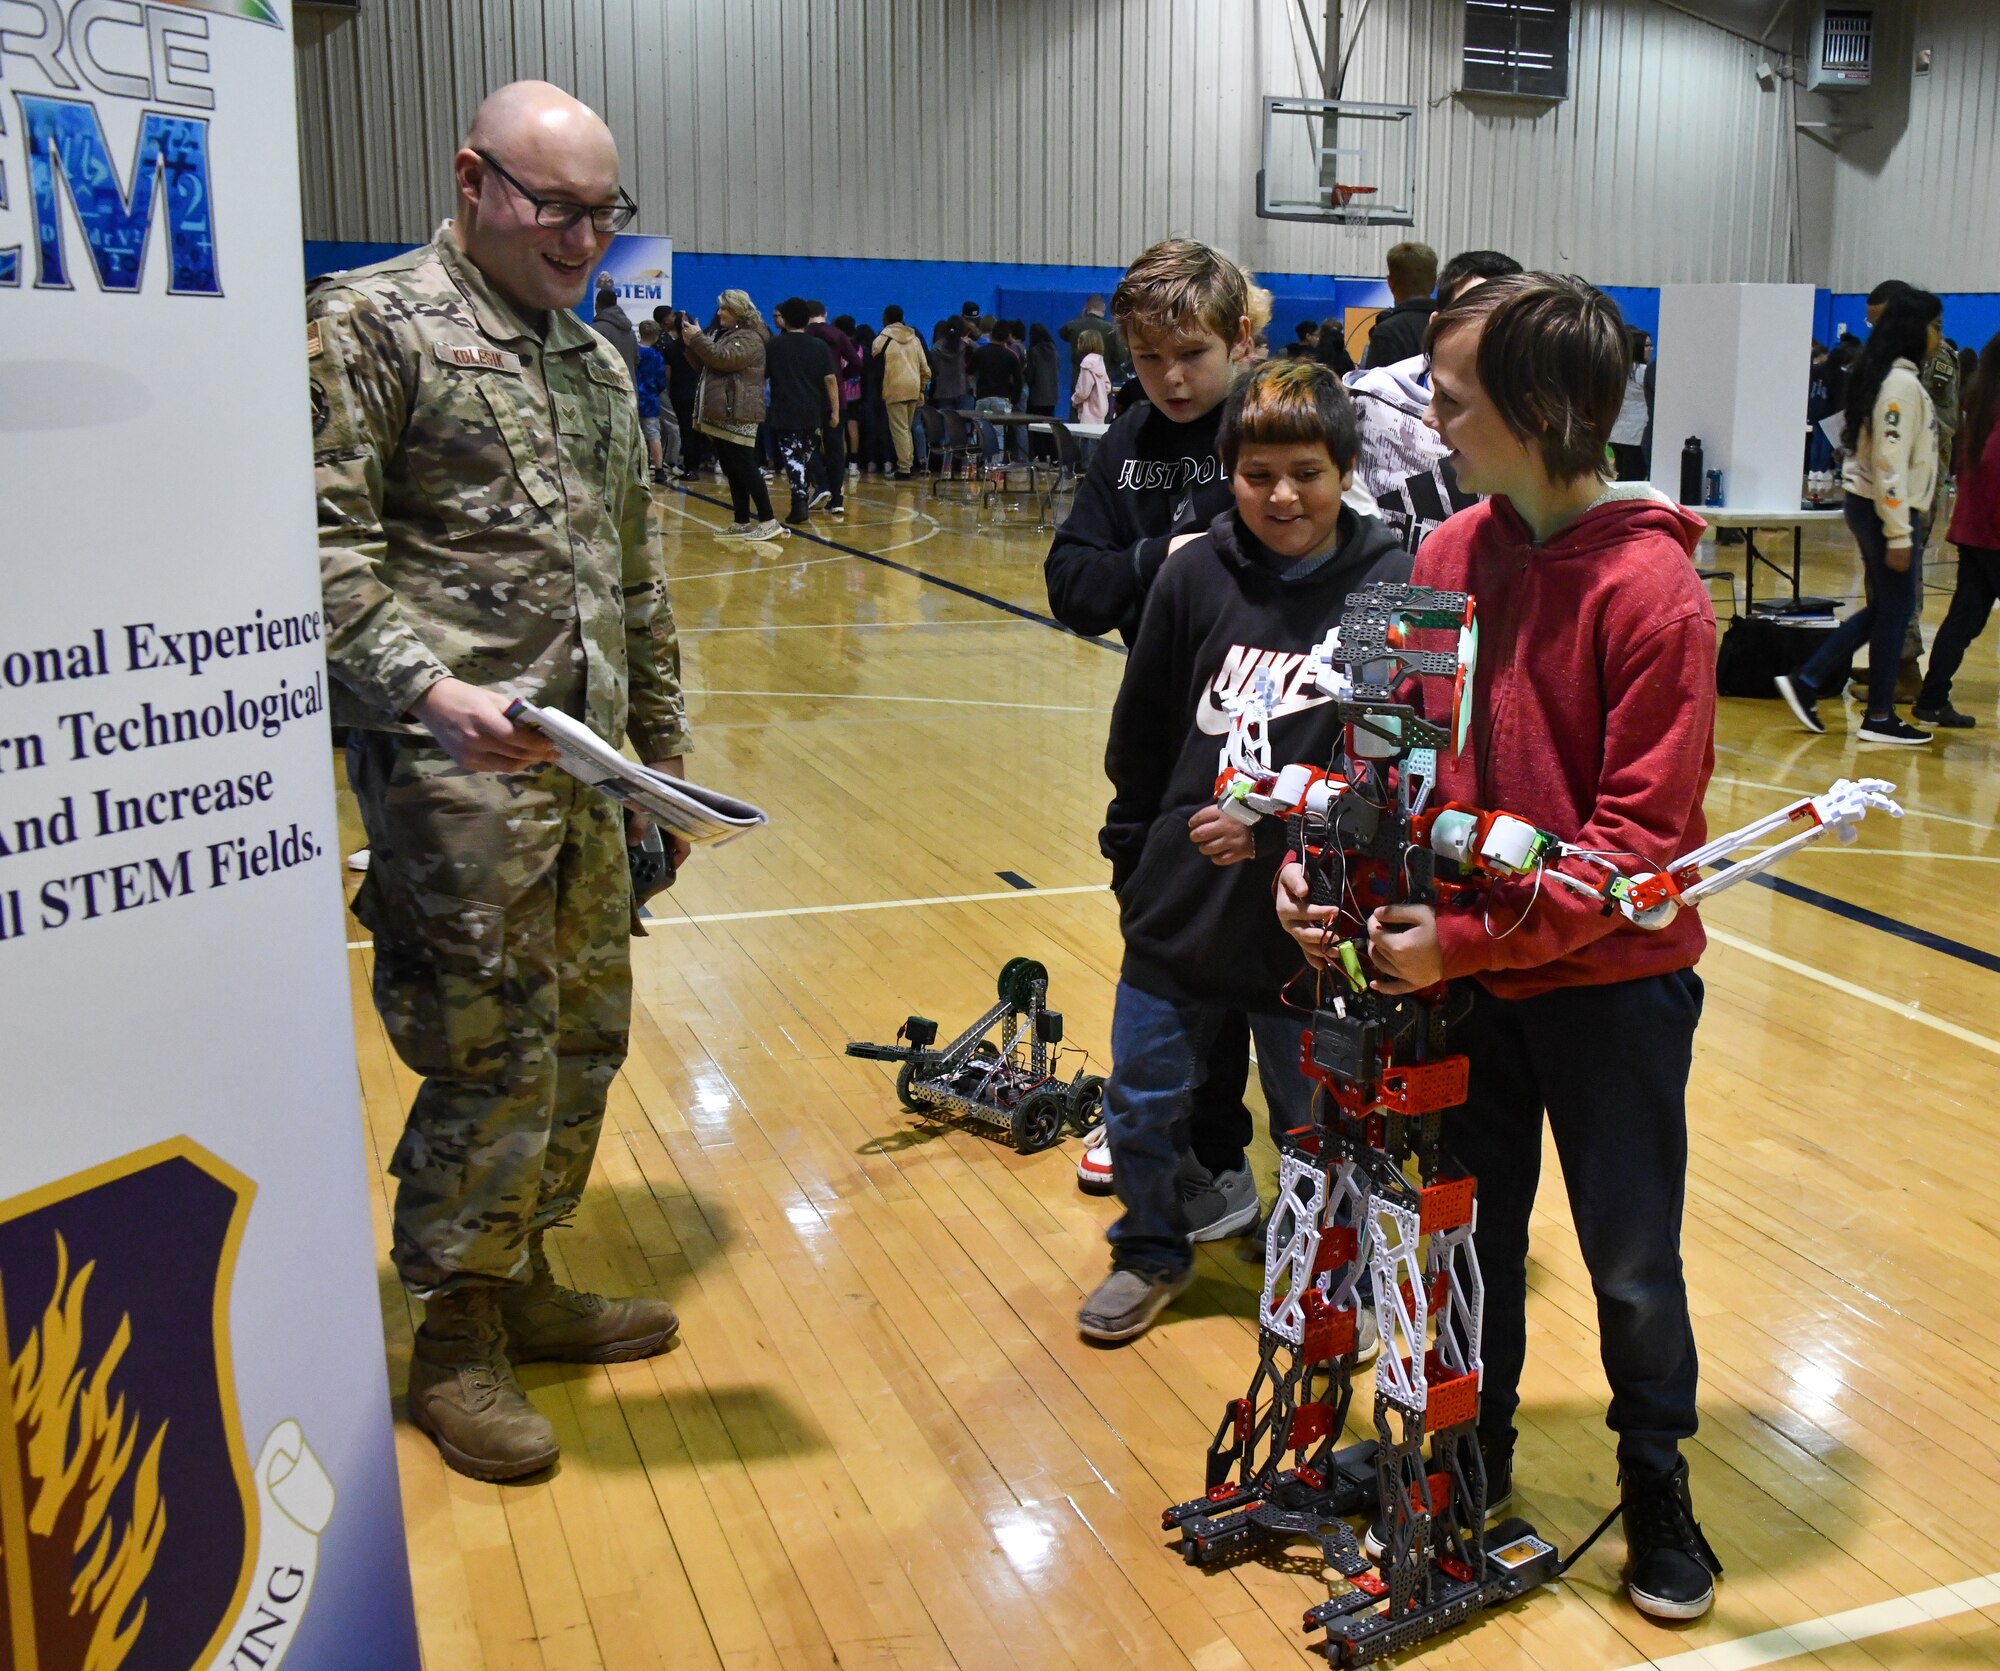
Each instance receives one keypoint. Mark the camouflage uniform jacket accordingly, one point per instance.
(481, 509)
(1940, 380)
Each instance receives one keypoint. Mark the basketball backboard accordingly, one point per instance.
(1339, 161)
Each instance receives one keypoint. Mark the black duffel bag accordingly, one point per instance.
(1773, 638)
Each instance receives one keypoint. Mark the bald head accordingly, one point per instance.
(530, 141)
(537, 119)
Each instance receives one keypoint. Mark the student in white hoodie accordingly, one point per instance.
(1890, 477)
(1405, 468)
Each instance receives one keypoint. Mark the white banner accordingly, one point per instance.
(195, 1464)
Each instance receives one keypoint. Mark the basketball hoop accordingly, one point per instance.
(1339, 162)
(1347, 209)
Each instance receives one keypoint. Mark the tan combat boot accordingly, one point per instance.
(547, 1322)
(464, 1395)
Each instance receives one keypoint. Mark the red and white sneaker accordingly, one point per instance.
(1093, 1172)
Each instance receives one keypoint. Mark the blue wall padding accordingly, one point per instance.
(327, 256)
(1971, 318)
(928, 290)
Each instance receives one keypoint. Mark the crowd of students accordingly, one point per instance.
(821, 402)
(1232, 507)
(1220, 527)
(1224, 521)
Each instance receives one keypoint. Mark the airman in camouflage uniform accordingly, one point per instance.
(485, 534)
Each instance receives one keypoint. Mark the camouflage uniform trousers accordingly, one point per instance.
(499, 908)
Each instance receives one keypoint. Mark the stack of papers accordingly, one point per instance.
(704, 817)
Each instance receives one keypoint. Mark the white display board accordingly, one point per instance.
(1734, 363)
(200, 1416)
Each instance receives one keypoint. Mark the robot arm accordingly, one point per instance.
(1839, 810)
(1498, 844)
(1247, 787)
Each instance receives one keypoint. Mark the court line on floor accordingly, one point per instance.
(1794, 790)
(1894, 853)
(1833, 1630)
(1929, 939)
(755, 568)
(841, 910)
(1907, 1010)
(844, 626)
(962, 590)
(941, 701)
(1804, 895)
(936, 527)
(878, 905)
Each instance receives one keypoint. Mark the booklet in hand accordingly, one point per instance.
(704, 817)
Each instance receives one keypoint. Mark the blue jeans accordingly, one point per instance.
(1880, 622)
(1609, 1065)
(1159, 1059)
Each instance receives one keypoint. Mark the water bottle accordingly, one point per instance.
(1691, 473)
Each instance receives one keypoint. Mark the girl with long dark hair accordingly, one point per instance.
(1890, 477)
(1975, 530)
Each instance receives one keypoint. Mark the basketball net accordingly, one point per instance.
(1349, 207)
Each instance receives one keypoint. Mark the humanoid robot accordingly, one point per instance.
(1367, 1213)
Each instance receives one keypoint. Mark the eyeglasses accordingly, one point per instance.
(561, 215)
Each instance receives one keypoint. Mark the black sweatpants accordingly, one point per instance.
(833, 463)
(747, 491)
(1965, 620)
(1609, 1065)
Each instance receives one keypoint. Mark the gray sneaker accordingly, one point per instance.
(1126, 1302)
(1218, 1205)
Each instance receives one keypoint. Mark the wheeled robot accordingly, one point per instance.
(1009, 1082)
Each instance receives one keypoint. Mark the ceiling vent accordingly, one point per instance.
(1517, 48)
(1842, 56)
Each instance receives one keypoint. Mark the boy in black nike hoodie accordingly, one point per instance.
(1259, 589)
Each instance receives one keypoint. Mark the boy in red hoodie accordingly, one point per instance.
(1593, 718)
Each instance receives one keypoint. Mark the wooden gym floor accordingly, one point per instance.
(880, 1441)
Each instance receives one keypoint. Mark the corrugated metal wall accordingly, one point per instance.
(1058, 131)
(1915, 197)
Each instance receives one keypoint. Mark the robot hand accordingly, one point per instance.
(1851, 800)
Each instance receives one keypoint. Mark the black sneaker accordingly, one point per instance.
(1893, 730)
(1670, 1571)
(1945, 715)
(823, 496)
(1499, 1458)
(1217, 1205)
(1799, 698)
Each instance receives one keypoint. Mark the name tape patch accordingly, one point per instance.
(477, 356)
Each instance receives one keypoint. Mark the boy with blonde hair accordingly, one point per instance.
(1187, 314)
(1256, 591)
